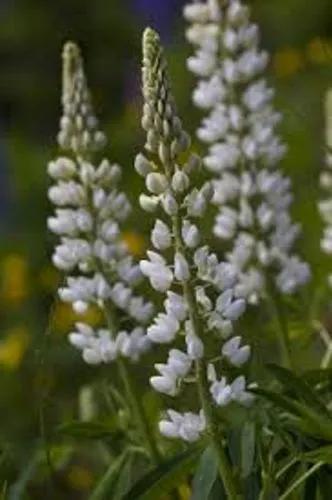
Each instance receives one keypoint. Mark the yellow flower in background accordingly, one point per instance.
(135, 242)
(80, 478)
(184, 492)
(319, 51)
(93, 316)
(64, 317)
(13, 348)
(14, 279)
(288, 62)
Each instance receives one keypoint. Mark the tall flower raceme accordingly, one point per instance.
(88, 215)
(252, 195)
(325, 206)
(97, 265)
(200, 306)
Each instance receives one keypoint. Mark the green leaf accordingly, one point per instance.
(300, 480)
(205, 475)
(165, 477)
(88, 430)
(298, 387)
(218, 491)
(106, 487)
(322, 454)
(248, 435)
(313, 423)
(277, 399)
(125, 478)
(318, 376)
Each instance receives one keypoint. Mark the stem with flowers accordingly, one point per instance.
(88, 219)
(199, 289)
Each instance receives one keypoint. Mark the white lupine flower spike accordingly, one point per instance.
(325, 206)
(88, 214)
(89, 211)
(200, 299)
(243, 148)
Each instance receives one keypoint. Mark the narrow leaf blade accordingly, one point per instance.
(165, 477)
(206, 475)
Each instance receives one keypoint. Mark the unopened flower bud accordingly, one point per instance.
(142, 165)
(156, 183)
(180, 181)
(149, 203)
(169, 204)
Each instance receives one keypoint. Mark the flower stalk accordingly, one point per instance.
(201, 369)
(88, 216)
(243, 148)
(200, 300)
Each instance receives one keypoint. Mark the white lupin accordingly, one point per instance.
(181, 268)
(161, 236)
(190, 234)
(200, 298)
(188, 426)
(195, 347)
(149, 203)
(180, 181)
(240, 132)
(325, 206)
(164, 329)
(62, 168)
(221, 392)
(239, 392)
(176, 306)
(236, 354)
(142, 165)
(165, 385)
(179, 362)
(88, 211)
(156, 183)
(156, 270)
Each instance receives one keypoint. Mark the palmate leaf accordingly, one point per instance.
(206, 475)
(164, 478)
(315, 423)
(299, 387)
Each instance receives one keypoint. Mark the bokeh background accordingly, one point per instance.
(42, 379)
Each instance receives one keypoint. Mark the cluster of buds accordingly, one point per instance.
(325, 206)
(200, 303)
(88, 215)
(243, 148)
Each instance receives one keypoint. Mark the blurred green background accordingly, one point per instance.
(41, 376)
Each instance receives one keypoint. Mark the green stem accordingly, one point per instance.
(301, 480)
(135, 402)
(138, 411)
(225, 466)
(282, 331)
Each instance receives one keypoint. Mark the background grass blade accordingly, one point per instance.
(165, 477)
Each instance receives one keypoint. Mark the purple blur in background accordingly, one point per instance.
(159, 14)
